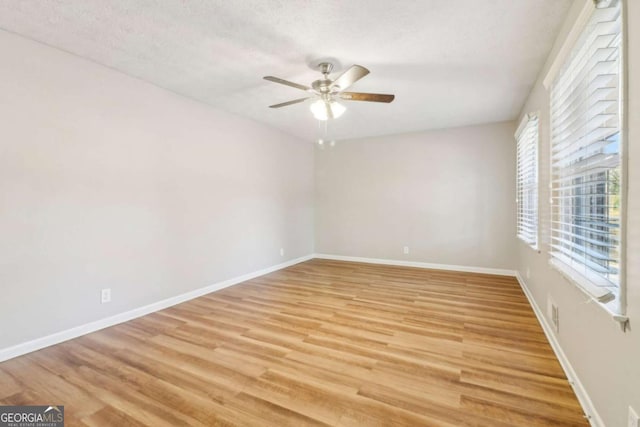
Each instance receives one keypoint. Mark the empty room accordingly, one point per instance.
(306, 212)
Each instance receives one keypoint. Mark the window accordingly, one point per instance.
(586, 157)
(527, 180)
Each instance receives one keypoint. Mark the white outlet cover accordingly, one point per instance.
(281, 251)
(105, 296)
(405, 249)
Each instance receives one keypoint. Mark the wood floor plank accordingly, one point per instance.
(125, 405)
(319, 343)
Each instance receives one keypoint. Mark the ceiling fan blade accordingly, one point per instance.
(371, 97)
(349, 77)
(286, 82)
(284, 104)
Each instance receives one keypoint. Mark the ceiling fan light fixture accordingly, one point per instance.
(324, 110)
(337, 109)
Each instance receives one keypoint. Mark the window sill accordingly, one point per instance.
(534, 247)
(606, 298)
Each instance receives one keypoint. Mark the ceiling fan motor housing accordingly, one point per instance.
(323, 86)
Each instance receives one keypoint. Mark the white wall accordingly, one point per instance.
(107, 181)
(606, 360)
(447, 194)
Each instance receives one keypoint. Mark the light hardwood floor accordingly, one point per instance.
(319, 343)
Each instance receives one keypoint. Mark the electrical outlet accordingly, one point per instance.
(105, 296)
(528, 273)
(634, 420)
(405, 250)
(281, 251)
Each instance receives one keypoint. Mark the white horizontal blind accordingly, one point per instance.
(585, 154)
(527, 182)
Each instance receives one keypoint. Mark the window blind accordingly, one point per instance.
(527, 181)
(585, 155)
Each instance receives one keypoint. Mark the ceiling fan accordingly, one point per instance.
(328, 91)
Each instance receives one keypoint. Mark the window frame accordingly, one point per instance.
(524, 189)
(617, 305)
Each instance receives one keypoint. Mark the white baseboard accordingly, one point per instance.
(581, 393)
(467, 269)
(58, 337)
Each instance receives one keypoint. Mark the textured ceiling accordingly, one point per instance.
(449, 62)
